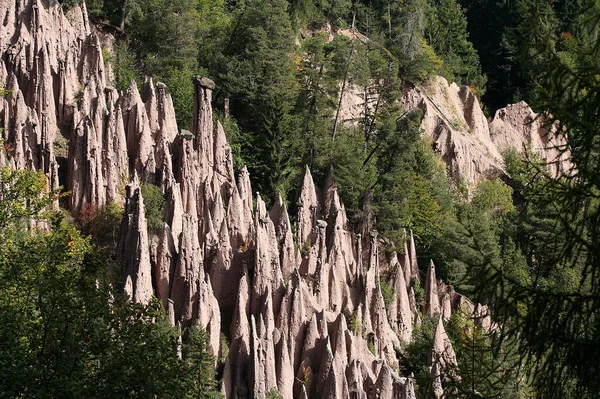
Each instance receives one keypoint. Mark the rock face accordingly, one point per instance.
(471, 146)
(304, 312)
(517, 126)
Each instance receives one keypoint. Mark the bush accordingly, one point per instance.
(104, 227)
(387, 292)
(154, 204)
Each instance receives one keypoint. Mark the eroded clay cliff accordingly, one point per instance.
(303, 312)
(471, 145)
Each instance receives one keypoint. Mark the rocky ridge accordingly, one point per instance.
(304, 313)
(470, 145)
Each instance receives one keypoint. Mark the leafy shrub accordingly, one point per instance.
(104, 227)
(387, 292)
(355, 323)
(124, 66)
(154, 203)
(273, 393)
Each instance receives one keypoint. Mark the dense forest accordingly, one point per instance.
(526, 242)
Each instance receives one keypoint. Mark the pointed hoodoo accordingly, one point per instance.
(405, 263)
(85, 179)
(117, 164)
(442, 351)
(188, 271)
(132, 251)
(202, 124)
(236, 375)
(285, 370)
(223, 162)
(137, 132)
(442, 359)
(308, 211)
(432, 299)
(401, 305)
(245, 192)
(285, 239)
(329, 191)
(412, 250)
(164, 267)
(163, 123)
(207, 313)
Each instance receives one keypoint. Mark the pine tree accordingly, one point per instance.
(200, 361)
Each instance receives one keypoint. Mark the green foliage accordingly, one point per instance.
(416, 355)
(66, 332)
(481, 369)
(447, 34)
(273, 393)
(69, 4)
(540, 271)
(388, 292)
(371, 347)
(224, 348)
(494, 198)
(124, 66)
(424, 64)
(255, 69)
(355, 324)
(154, 203)
(23, 193)
(200, 361)
(419, 293)
(236, 138)
(104, 228)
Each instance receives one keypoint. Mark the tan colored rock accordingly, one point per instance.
(338, 341)
(517, 126)
(140, 145)
(453, 119)
(412, 252)
(115, 163)
(161, 116)
(442, 359)
(446, 308)
(133, 251)
(174, 210)
(245, 190)
(188, 271)
(164, 267)
(432, 299)
(223, 161)
(405, 264)
(237, 223)
(267, 271)
(400, 308)
(217, 261)
(285, 368)
(238, 372)
(207, 313)
(308, 211)
(289, 255)
(356, 379)
(86, 182)
(202, 126)
(326, 373)
(312, 346)
(223, 275)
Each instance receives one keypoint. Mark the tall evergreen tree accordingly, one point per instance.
(257, 71)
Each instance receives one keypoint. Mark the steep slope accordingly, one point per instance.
(471, 146)
(304, 315)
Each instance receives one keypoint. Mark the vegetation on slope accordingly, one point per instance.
(65, 331)
(536, 264)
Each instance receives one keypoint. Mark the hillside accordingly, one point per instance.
(322, 283)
